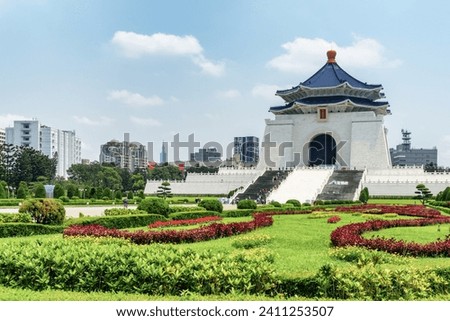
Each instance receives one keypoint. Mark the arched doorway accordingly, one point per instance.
(322, 150)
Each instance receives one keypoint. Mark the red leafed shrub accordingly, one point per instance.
(334, 219)
(350, 235)
(213, 231)
(195, 221)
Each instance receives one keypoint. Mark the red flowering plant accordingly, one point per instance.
(334, 219)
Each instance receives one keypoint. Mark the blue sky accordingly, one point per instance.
(211, 68)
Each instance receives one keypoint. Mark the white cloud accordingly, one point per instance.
(101, 121)
(151, 122)
(304, 55)
(267, 92)
(134, 45)
(134, 99)
(229, 94)
(8, 120)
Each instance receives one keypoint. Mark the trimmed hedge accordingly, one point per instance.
(237, 213)
(119, 222)
(212, 205)
(246, 204)
(177, 209)
(27, 229)
(122, 211)
(15, 218)
(191, 215)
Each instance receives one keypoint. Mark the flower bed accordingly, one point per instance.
(195, 221)
(213, 231)
(351, 235)
(410, 210)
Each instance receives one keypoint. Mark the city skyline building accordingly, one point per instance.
(63, 145)
(125, 154)
(163, 156)
(246, 150)
(404, 155)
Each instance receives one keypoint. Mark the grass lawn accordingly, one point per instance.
(394, 201)
(301, 246)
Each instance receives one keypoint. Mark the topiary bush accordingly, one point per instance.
(44, 211)
(39, 190)
(246, 204)
(275, 204)
(154, 206)
(211, 205)
(294, 202)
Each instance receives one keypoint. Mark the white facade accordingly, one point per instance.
(360, 139)
(54, 143)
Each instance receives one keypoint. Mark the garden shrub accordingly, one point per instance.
(334, 219)
(154, 206)
(191, 215)
(373, 283)
(118, 222)
(236, 213)
(362, 256)
(251, 241)
(44, 211)
(116, 266)
(58, 191)
(212, 205)
(15, 218)
(176, 209)
(27, 229)
(246, 204)
(294, 202)
(185, 222)
(39, 191)
(64, 199)
(122, 211)
(275, 204)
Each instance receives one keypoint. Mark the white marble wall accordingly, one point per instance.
(360, 137)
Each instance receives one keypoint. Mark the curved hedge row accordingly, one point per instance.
(28, 229)
(351, 234)
(212, 231)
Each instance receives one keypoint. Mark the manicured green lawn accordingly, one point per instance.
(394, 201)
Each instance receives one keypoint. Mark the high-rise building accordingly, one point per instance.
(404, 155)
(246, 150)
(125, 154)
(207, 156)
(163, 155)
(54, 143)
(2, 136)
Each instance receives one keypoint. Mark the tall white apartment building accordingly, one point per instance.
(54, 143)
(2, 136)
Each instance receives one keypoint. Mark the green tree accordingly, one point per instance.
(72, 190)
(164, 190)
(30, 164)
(3, 193)
(423, 193)
(166, 173)
(22, 190)
(364, 195)
(58, 191)
(446, 194)
(39, 190)
(138, 182)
